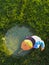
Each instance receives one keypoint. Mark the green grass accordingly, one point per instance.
(33, 14)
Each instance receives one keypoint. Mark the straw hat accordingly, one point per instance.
(27, 45)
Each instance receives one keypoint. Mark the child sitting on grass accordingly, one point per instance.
(32, 42)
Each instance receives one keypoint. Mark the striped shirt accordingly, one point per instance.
(37, 42)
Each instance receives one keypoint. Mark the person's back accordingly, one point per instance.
(36, 38)
(38, 42)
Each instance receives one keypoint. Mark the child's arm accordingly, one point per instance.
(42, 45)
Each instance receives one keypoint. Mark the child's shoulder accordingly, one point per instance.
(34, 36)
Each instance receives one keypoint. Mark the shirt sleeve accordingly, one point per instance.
(42, 44)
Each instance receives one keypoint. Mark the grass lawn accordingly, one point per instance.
(33, 14)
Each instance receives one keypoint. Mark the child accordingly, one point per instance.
(33, 42)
